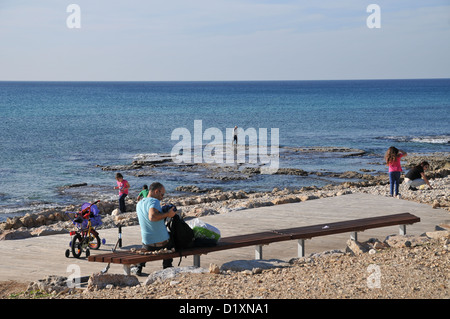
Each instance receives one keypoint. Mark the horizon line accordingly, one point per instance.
(200, 81)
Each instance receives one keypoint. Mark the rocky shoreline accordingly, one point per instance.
(409, 266)
(201, 202)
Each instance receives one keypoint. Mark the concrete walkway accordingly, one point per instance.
(34, 258)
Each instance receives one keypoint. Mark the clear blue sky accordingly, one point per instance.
(201, 40)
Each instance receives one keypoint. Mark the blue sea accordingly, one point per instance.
(56, 134)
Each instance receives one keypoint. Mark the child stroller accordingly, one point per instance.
(85, 237)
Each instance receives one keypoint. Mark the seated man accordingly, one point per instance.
(151, 219)
(416, 176)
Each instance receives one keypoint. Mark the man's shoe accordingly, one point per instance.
(137, 270)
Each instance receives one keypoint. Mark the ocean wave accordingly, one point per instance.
(20, 209)
(150, 156)
(430, 139)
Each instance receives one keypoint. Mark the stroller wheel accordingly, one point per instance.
(67, 253)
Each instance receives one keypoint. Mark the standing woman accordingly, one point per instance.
(392, 158)
(122, 186)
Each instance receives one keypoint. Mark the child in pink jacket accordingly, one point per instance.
(393, 156)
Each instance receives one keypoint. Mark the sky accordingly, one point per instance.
(223, 40)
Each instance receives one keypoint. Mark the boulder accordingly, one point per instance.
(242, 265)
(13, 223)
(172, 272)
(214, 269)
(46, 230)
(28, 220)
(356, 247)
(49, 284)
(100, 281)
(14, 234)
(286, 200)
(438, 234)
(400, 241)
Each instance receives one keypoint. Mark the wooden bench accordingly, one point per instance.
(129, 258)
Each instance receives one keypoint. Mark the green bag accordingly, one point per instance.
(204, 230)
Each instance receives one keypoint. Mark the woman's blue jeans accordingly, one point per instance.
(394, 180)
(122, 203)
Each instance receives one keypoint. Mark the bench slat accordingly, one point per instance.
(306, 232)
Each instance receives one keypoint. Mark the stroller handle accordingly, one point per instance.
(88, 210)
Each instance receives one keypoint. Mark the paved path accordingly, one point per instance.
(34, 258)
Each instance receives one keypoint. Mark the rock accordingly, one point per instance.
(203, 211)
(115, 212)
(172, 272)
(28, 220)
(15, 234)
(255, 204)
(240, 194)
(400, 241)
(40, 220)
(101, 281)
(106, 207)
(379, 245)
(50, 284)
(438, 234)
(214, 269)
(257, 270)
(59, 216)
(291, 171)
(285, 200)
(436, 204)
(13, 223)
(304, 198)
(242, 265)
(45, 231)
(356, 247)
(190, 189)
(374, 243)
(443, 227)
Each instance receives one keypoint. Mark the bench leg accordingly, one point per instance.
(301, 247)
(258, 252)
(127, 269)
(402, 230)
(354, 236)
(196, 260)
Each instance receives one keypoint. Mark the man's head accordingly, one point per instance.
(156, 190)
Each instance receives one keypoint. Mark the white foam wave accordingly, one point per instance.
(430, 139)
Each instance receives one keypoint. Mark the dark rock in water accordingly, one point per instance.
(152, 160)
(77, 185)
(133, 166)
(291, 171)
(190, 189)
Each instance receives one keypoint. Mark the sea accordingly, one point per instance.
(57, 138)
